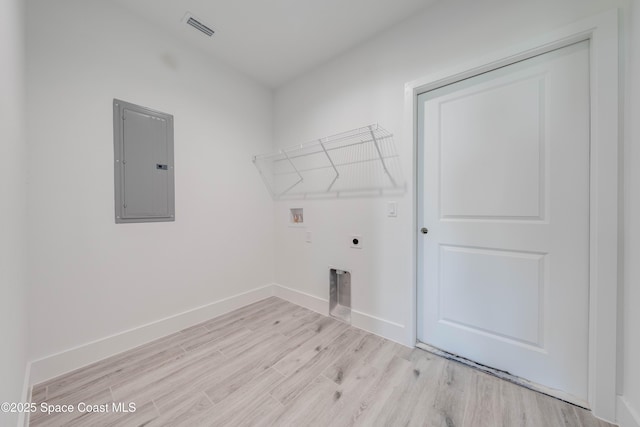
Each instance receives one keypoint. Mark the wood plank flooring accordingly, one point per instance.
(276, 364)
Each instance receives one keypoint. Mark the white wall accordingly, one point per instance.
(89, 277)
(367, 85)
(630, 401)
(13, 188)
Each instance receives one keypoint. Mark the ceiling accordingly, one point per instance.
(274, 41)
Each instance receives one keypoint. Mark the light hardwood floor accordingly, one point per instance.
(276, 364)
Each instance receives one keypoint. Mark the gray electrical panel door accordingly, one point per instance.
(143, 146)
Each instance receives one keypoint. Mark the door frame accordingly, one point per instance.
(602, 33)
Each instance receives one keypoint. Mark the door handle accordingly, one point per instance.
(424, 230)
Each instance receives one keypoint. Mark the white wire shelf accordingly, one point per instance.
(362, 160)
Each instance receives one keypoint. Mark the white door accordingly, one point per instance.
(504, 187)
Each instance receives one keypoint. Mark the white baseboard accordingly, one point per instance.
(319, 305)
(385, 328)
(626, 416)
(382, 327)
(69, 360)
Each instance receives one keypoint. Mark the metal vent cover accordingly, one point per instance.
(197, 24)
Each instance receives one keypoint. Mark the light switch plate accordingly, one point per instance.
(307, 236)
(392, 209)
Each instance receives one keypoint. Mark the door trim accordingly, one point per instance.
(602, 32)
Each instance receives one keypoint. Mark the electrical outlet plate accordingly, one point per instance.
(355, 242)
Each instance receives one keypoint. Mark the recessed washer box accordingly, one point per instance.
(340, 294)
(143, 164)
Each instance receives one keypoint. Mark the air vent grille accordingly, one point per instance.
(200, 26)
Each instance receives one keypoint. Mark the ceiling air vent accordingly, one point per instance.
(198, 25)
